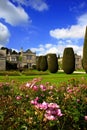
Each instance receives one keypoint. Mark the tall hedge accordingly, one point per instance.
(68, 61)
(84, 61)
(52, 63)
(38, 63)
(43, 63)
(11, 66)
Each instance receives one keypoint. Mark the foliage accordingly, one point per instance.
(84, 61)
(33, 72)
(68, 60)
(10, 73)
(34, 105)
(11, 66)
(52, 63)
(43, 63)
(38, 63)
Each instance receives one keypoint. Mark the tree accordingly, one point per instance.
(52, 63)
(43, 63)
(85, 52)
(68, 61)
(38, 63)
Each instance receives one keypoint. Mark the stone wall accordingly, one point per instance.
(2, 63)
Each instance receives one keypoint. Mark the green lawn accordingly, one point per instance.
(48, 77)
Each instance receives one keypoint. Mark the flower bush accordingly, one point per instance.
(37, 106)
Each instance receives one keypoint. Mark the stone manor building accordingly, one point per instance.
(23, 58)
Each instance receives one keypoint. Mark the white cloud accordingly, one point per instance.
(71, 36)
(4, 34)
(48, 45)
(82, 20)
(57, 48)
(12, 14)
(67, 37)
(75, 31)
(77, 6)
(39, 5)
(21, 2)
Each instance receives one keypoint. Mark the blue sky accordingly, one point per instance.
(44, 26)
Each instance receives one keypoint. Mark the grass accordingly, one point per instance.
(55, 79)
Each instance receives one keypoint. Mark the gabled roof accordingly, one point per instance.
(28, 51)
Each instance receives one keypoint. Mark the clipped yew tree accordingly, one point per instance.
(43, 63)
(38, 63)
(84, 61)
(52, 63)
(68, 61)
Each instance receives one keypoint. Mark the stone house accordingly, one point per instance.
(27, 59)
(78, 62)
(13, 58)
(2, 59)
(22, 59)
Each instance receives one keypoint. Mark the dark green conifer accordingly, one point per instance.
(43, 63)
(38, 63)
(52, 63)
(84, 61)
(68, 61)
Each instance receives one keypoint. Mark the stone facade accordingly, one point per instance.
(28, 58)
(2, 59)
(2, 63)
(78, 62)
(12, 58)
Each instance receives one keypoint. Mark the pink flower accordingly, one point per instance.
(35, 88)
(51, 112)
(51, 87)
(78, 100)
(43, 88)
(55, 112)
(28, 85)
(53, 105)
(69, 90)
(27, 96)
(85, 118)
(42, 106)
(1, 84)
(33, 102)
(59, 112)
(37, 98)
(50, 117)
(18, 97)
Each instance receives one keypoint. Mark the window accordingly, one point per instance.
(29, 57)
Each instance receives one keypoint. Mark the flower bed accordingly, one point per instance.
(37, 106)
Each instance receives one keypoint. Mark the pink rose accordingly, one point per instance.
(85, 118)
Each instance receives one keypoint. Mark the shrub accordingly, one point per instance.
(37, 106)
(34, 67)
(68, 61)
(11, 66)
(43, 63)
(38, 63)
(10, 73)
(84, 62)
(31, 72)
(52, 63)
